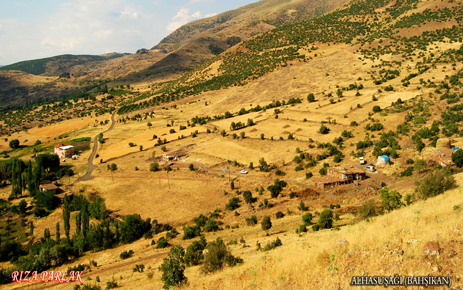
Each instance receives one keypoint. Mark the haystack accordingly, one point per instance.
(443, 143)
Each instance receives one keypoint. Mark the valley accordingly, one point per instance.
(242, 137)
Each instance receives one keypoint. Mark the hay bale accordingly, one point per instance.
(443, 143)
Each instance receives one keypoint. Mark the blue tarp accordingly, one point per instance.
(386, 158)
(456, 148)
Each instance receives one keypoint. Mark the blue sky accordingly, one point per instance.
(31, 29)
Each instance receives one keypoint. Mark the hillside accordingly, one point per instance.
(184, 50)
(198, 41)
(56, 65)
(159, 164)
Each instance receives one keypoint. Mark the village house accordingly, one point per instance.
(443, 157)
(338, 176)
(64, 150)
(48, 187)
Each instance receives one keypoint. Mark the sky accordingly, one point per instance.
(31, 29)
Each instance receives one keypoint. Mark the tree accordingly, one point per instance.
(266, 224)
(133, 228)
(376, 109)
(113, 167)
(22, 206)
(154, 166)
(14, 144)
(47, 161)
(419, 145)
(223, 133)
(149, 125)
(262, 136)
(173, 268)
(311, 98)
(31, 228)
(242, 134)
(435, 183)
(191, 167)
(66, 216)
(324, 130)
(325, 221)
(30, 179)
(218, 255)
(57, 233)
(263, 166)
(390, 200)
(457, 158)
(307, 218)
(247, 196)
(194, 253)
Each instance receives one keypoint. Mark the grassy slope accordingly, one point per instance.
(189, 44)
(302, 261)
(54, 66)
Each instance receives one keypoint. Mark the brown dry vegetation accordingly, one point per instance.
(387, 244)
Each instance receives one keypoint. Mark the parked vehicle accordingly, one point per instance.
(362, 161)
(243, 172)
(371, 168)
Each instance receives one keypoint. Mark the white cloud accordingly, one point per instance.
(210, 15)
(182, 18)
(80, 27)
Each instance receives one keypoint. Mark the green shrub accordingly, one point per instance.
(189, 232)
(272, 245)
(307, 218)
(367, 210)
(218, 256)
(435, 183)
(325, 221)
(124, 255)
(194, 253)
(279, 215)
(251, 221)
(162, 243)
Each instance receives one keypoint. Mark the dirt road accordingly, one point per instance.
(91, 167)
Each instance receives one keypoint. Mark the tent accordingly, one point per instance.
(383, 159)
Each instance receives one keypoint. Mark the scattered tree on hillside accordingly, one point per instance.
(266, 224)
(173, 268)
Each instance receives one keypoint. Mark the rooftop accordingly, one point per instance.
(66, 147)
(61, 145)
(350, 170)
(49, 186)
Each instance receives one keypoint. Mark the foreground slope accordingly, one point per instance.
(396, 96)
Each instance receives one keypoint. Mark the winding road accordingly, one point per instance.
(91, 166)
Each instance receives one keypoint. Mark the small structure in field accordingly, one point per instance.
(64, 150)
(383, 159)
(443, 157)
(339, 176)
(48, 187)
(175, 155)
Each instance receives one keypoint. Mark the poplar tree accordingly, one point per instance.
(85, 220)
(78, 224)
(31, 229)
(13, 178)
(19, 181)
(66, 216)
(57, 232)
(30, 179)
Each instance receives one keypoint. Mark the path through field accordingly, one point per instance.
(91, 166)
